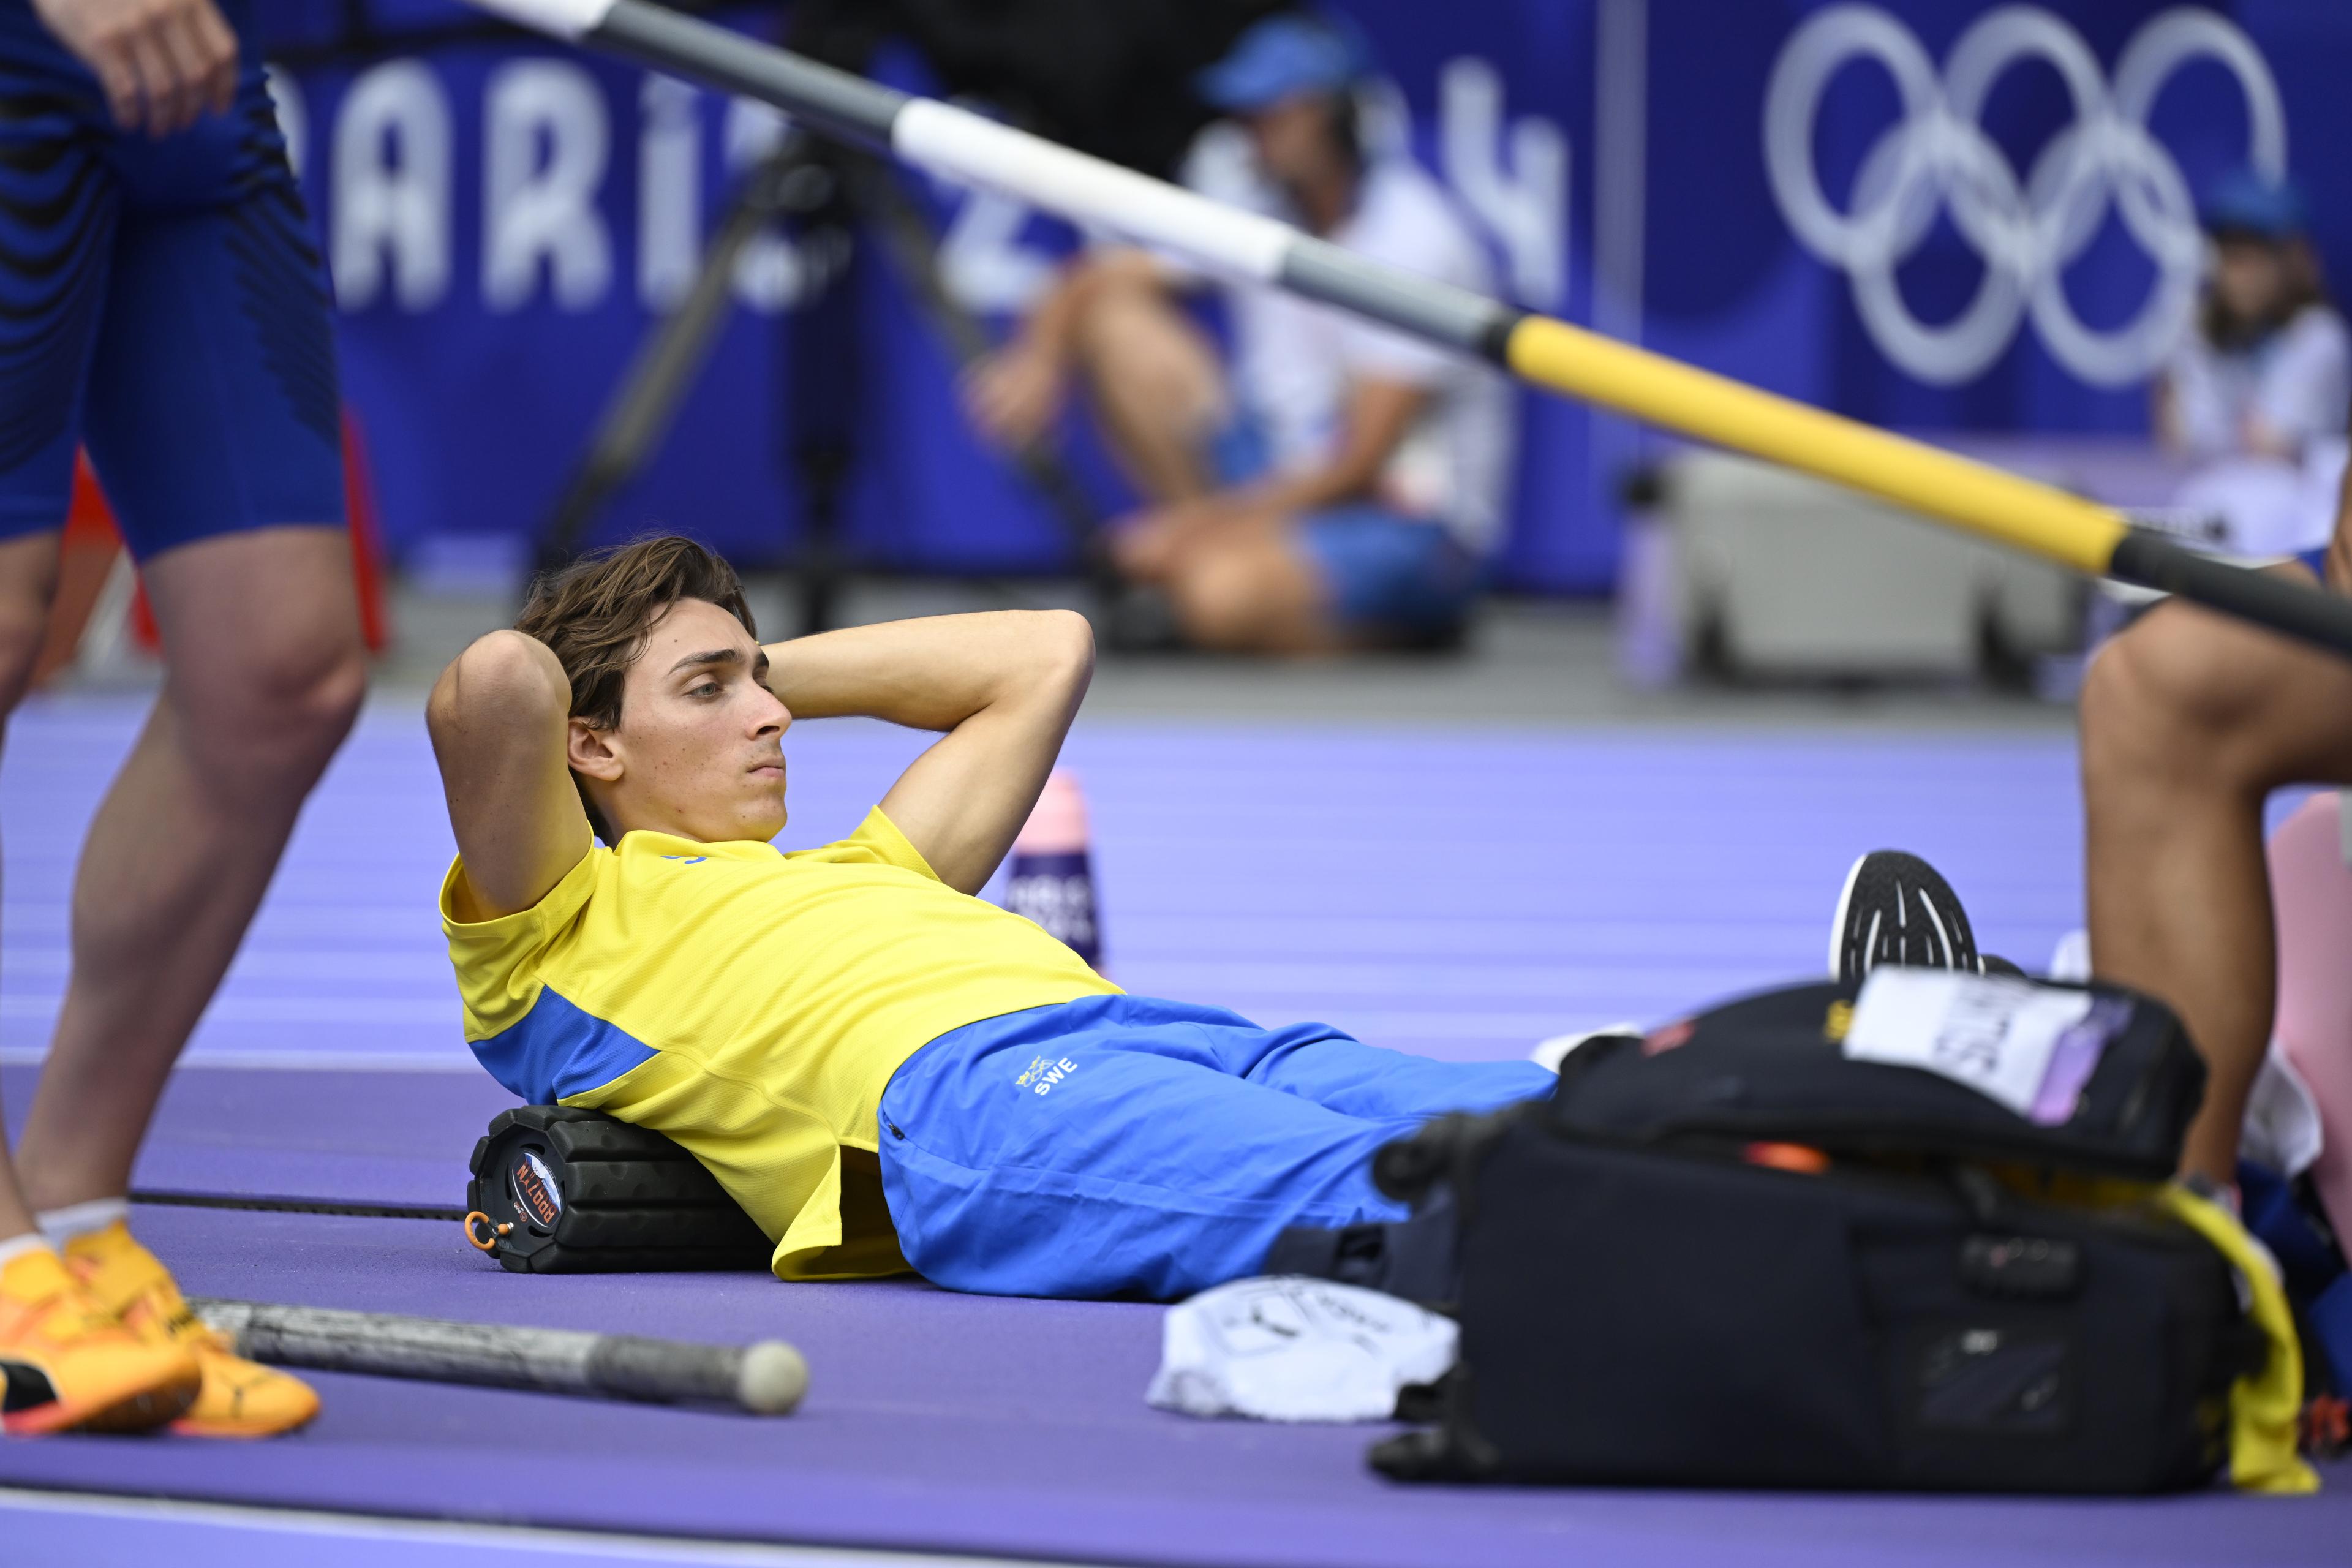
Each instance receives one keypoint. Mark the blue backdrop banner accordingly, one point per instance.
(1929, 214)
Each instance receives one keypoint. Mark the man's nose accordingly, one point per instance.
(774, 718)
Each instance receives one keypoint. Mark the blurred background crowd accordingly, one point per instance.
(2091, 239)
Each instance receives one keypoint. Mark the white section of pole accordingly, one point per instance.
(960, 145)
(564, 18)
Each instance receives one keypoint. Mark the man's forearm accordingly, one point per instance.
(933, 673)
(1005, 687)
(1379, 414)
(1051, 325)
(1310, 490)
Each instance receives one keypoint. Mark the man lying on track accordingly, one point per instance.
(882, 1069)
(886, 1071)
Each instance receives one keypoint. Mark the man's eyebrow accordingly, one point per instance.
(716, 656)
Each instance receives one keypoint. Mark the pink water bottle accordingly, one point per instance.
(1050, 880)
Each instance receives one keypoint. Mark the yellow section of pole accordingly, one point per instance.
(1680, 398)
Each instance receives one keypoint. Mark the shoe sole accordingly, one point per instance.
(1837, 921)
(187, 1428)
(140, 1409)
(244, 1426)
(1952, 925)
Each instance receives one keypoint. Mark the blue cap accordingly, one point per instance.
(2243, 202)
(1280, 57)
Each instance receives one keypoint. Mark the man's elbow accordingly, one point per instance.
(1065, 643)
(1050, 661)
(505, 675)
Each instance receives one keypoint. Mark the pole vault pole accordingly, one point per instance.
(959, 145)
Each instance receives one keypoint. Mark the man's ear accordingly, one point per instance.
(591, 751)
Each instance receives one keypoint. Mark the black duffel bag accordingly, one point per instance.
(1735, 1254)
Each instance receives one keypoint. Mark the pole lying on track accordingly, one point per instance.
(272, 1202)
(969, 148)
(763, 1379)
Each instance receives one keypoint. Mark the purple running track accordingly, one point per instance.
(934, 1421)
(1462, 894)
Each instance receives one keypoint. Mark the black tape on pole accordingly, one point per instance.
(270, 1202)
(2280, 602)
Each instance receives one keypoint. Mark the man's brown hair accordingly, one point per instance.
(596, 614)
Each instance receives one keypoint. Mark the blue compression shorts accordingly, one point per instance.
(1390, 574)
(1126, 1146)
(161, 303)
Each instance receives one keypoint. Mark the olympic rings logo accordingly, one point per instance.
(1937, 157)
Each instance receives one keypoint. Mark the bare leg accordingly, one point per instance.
(2190, 720)
(29, 581)
(1244, 586)
(2314, 889)
(1156, 385)
(261, 637)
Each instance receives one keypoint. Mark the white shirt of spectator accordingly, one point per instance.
(1294, 361)
(2296, 381)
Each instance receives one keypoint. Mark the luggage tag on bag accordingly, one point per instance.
(2031, 1047)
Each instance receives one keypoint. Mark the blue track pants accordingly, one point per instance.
(1130, 1147)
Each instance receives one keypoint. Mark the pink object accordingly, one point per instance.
(1057, 824)
(2311, 889)
(1051, 879)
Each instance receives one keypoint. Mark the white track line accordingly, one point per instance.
(289, 1061)
(523, 1542)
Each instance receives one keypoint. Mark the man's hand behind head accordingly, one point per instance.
(161, 63)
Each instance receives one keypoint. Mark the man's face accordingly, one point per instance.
(2249, 276)
(700, 748)
(1293, 139)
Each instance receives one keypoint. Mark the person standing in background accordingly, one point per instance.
(161, 303)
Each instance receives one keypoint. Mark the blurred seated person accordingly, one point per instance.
(2257, 393)
(1340, 485)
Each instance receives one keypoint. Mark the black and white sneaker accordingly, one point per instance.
(1896, 909)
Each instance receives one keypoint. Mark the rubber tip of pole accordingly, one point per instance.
(772, 1379)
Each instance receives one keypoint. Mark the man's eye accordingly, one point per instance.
(708, 689)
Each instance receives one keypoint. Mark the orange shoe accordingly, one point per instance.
(68, 1366)
(239, 1398)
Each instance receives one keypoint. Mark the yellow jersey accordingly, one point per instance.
(752, 1006)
